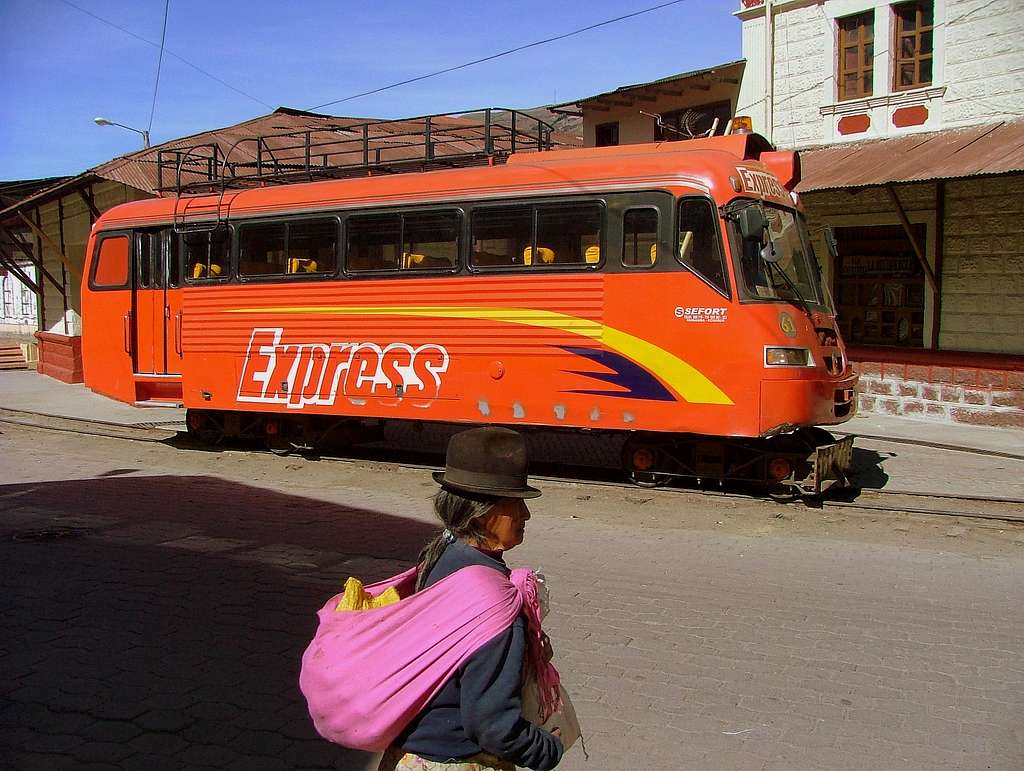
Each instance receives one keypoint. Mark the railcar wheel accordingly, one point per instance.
(642, 461)
(277, 437)
(204, 427)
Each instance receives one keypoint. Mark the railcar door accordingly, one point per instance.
(107, 328)
(156, 303)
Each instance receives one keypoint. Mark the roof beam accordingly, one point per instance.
(918, 252)
(8, 262)
(26, 249)
(63, 257)
(86, 194)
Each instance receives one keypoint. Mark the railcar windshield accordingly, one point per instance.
(781, 266)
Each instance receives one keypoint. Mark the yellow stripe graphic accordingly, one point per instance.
(685, 379)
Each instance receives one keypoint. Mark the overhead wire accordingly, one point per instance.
(159, 63)
(510, 51)
(179, 57)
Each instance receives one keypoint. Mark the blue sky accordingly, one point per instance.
(60, 68)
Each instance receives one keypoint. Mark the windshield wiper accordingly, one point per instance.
(804, 305)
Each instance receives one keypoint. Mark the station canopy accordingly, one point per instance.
(996, 148)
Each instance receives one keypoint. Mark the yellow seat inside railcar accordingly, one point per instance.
(301, 265)
(544, 255)
(199, 270)
(414, 260)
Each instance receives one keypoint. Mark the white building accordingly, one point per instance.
(909, 116)
(849, 70)
(19, 315)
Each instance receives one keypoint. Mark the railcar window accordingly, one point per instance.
(502, 236)
(112, 262)
(699, 247)
(312, 246)
(640, 237)
(540, 235)
(173, 261)
(261, 250)
(206, 254)
(374, 242)
(147, 256)
(430, 240)
(568, 234)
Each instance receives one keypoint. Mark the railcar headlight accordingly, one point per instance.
(787, 357)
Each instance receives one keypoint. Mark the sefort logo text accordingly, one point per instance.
(702, 315)
(313, 373)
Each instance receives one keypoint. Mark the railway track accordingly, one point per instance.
(891, 500)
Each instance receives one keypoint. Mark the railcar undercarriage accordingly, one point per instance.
(807, 461)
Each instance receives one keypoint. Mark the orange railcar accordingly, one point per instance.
(616, 289)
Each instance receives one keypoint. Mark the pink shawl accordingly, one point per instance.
(368, 673)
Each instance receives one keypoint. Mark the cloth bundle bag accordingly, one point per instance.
(368, 673)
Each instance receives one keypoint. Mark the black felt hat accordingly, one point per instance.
(487, 461)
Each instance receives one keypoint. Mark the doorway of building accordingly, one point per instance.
(880, 286)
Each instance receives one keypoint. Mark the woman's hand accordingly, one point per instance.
(549, 652)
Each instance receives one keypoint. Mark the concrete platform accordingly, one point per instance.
(32, 392)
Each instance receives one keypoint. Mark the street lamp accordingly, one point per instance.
(105, 122)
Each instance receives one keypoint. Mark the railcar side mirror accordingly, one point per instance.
(752, 223)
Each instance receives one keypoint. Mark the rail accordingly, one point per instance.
(352, 148)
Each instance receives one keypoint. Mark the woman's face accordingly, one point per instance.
(505, 523)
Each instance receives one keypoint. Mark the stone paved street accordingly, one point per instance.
(156, 602)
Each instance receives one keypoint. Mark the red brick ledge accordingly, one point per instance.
(926, 357)
(979, 370)
(60, 356)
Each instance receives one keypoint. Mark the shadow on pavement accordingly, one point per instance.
(165, 507)
(123, 651)
(867, 468)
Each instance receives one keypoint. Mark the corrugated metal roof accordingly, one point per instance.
(140, 169)
(996, 148)
(719, 69)
(278, 131)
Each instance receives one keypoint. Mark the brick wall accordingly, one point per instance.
(971, 395)
(60, 356)
(983, 266)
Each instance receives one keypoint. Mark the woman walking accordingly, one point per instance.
(475, 722)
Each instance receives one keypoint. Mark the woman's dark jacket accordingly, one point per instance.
(478, 709)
